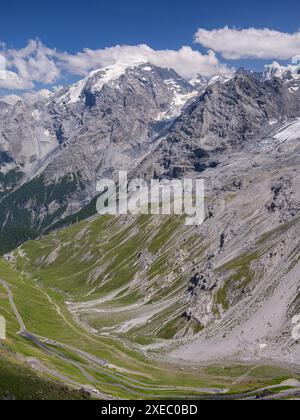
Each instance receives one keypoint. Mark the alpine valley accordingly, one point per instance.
(145, 306)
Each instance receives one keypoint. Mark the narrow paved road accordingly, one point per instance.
(40, 367)
(13, 306)
(24, 333)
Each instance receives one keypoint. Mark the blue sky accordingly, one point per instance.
(161, 24)
(72, 26)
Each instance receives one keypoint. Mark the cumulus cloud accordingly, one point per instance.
(35, 96)
(36, 64)
(27, 66)
(2, 67)
(250, 43)
(186, 61)
(13, 81)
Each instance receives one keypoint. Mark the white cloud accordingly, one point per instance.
(35, 96)
(186, 61)
(35, 62)
(12, 80)
(2, 67)
(38, 64)
(30, 97)
(250, 43)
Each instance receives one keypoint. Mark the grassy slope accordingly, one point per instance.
(21, 383)
(58, 268)
(69, 261)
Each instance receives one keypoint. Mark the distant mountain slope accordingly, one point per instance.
(232, 114)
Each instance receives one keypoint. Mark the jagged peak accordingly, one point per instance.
(243, 72)
(96, 79)
(276, 70)
(11, 100)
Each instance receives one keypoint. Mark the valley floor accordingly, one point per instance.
(47, 345)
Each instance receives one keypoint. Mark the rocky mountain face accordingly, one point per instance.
(142, 118)
(53, 152)
(4, 107)
(117, 105)
(287, 73)
(232, 114)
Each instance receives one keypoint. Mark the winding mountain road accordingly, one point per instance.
(218, 394)
(39, 366)
(13, 306)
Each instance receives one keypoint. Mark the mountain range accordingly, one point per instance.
(228, 290)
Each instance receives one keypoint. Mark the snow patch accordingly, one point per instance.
(110, 74)
(263, 346)
(289, 132)
(181, 99)
(76, 91)
(103, 76)
(277, 70)
(219, 79)
(36, 114)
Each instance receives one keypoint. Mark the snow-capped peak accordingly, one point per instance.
(277, 70)
(98, 78)
(198, 82)
(219, 79)
(11, 99)
(110, 74)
